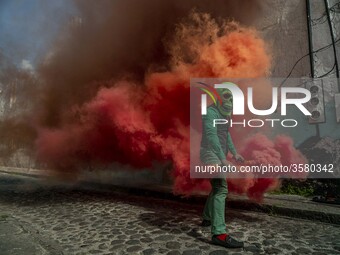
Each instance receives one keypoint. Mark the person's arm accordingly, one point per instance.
(211, 134)
(231, 146)
(232, 149)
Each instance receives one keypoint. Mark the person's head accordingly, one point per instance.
(226, 106)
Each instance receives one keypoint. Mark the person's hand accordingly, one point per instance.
(226, 162)
(238, 158)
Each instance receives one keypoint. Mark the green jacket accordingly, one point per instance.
(216, 141)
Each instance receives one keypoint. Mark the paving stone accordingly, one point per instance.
(173, 245)
(205, 247)
(286, 246)
(252, 239)
(133, 242)
(272, 250)
(258, 245)
(134, 248)
(149, 251)
(192, 252)
(252, 248)
(136, 236)
(102, 246)
(116, 231)
(328, 251)
(175, 231)
(173, 253)
(146, 240)
(158, 232)
(94, 251)
(164, 238)
(116, 247)
(130, 232)
(219, 252)
(303, 251)
(114, 242)
(269, 242)
(190, 245)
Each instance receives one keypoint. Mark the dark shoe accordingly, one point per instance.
(229, 242)
(206, 223)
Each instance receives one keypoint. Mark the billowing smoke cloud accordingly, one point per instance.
(136, 122)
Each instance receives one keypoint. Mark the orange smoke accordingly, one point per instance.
(138, 125)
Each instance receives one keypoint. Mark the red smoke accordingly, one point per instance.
(138, 125)
(258, 150)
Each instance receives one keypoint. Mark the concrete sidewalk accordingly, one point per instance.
(284, 205)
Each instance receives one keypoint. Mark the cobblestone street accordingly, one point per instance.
(54, 220)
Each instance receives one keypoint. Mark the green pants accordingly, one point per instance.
(214, 209)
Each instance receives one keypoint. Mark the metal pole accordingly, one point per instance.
(311, 54)
(310, 40)
(333, 41)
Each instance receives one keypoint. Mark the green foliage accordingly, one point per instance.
(306, 190)
(296, 188)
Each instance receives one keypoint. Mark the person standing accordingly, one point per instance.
(215, 144)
